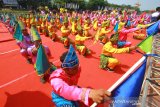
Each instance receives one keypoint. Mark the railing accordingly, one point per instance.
(151, 88)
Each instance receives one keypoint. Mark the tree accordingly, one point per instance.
(93, 4)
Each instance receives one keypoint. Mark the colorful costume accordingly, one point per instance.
(23, 41)
(65, 33)
(79, 41)
(101, 33)
(95, 24)
(36, 37)
(51, 31)
(122, 40)
(65, 92)
(74, 24)
(107, 59)
(87, 28)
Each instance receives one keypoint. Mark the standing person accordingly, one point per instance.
(156, 15)
(107, 61)
(64, 83)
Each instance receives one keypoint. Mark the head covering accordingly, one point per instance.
(34, 34)
(103, 24)
(79, 27)
(65, 20)
(114, 37)
(21, 24)
(116, 27)
(106, 23)
(52, 21)
(42, 64)
(18, 33)
(71, 59)
(87, 21)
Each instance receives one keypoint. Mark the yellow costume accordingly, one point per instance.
(86, 28)
(95, 24)
(74, 24)
(51, 31)
(43, 27)
(107, 59)
(28, 22)
(65, 33)
(121, 25)
(79, 41)
(140, 34)
(101, 33)
(58, 24)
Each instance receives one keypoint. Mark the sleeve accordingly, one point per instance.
(86, 27)
(64, 31)
(70, 92)
(105, 31)
(129, 30)
(79, 38)
(111, 49)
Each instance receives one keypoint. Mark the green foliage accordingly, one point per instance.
(83, 5)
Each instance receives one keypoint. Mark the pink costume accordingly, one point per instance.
(65, 86)
(123, 33)
(35, 56)
(24, 45)
(123, 37)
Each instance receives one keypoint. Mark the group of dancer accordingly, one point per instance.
(64, 80)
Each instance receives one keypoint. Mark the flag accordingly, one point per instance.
(18, 33)
(34, 34)
(154, 28)
(126, 95)
(42, 64)
(146, 44)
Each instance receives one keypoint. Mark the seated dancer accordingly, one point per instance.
(23, 40)
(74, 24)
(140, 34)
(65, 33)
(87, 27)
(122, 39)
(95, 24)
(52, 30)
(64, 83)
(79, 41)
(32, 50)
(107, 61)
(101, 33)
